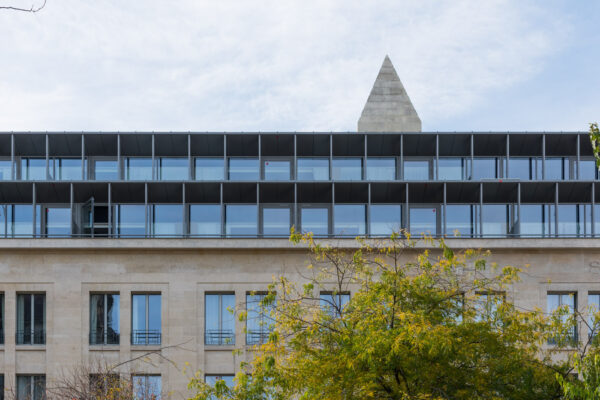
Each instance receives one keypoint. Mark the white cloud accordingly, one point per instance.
(269, 65)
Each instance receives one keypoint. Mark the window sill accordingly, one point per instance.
(30, 347)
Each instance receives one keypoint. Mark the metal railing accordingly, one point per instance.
(219, 337)
(37, 336)
(1, 336)
(145, 337)
(104, 337)
(257, 337)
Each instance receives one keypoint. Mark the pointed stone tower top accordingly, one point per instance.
(388, 108)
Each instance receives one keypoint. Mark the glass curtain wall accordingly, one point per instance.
(138, 168)
(244, 169)
(349, 219)
(276, 220)
(461, 220)
(485, 168)
(220, 321)
(452, 168)
(67, 169)
(130, 220)
(417, 170)
(173, 168)
(57, 222)
(105, 170)
(31, 318)
(313, 169)
(104, 319)
(315, 220)
(146, 319)
(167, 220)
(347, 169)
(241, 220)
(33, 169)
(209, 168)
(423, 220)
(385, 219)
(381, 168)
(5, 170)
(277, 170)
(205, 220)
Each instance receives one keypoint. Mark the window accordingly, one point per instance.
(277, 170)
(349, 219)
(20, 220)
(31, 318)
(485, 168)
(460, 220)
(31, 387)
(451, 169)
(33, 169)
(105, 170)
(212, 379)
(496, 220)
(594, 308)
(567, 300)
(101, 384)
(138, 169)
(173, 168)
(1, 386)
(243, 169)
(219, 320)
(417, 170)
(205, 220)
(315, 220)
(5, 170)
(104, 319)
(241, 220)
(486, 305)
(57, 222)
(333, 304)
(519, 168)
(537, 220)
(381, 169)
(313, 169)
(385, 219)
(1, 320)
(276, 221)
(147, 387)
(557, 168)
(259, 321)
(347, 169)
(130, 220)
(67, 169)
(146, 319)
(574, 219)
(423, 220)
(209, 169)
(167, 220)
(587, 169)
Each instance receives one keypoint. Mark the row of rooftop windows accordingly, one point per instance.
(323, 220)
(303, 169)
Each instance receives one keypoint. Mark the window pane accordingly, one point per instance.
(416, 170)
(212, 379)
(220, 322)
(69, 169)
(381, 169)
(567, 220)
(58, 222)
(112, 317)
(24, 319)
(5, 170)
(423, 220)
(97, 327)
(139, 312)
(276, 221)
(277, 170)
(205, 219)
(385, 219)
(33, 169)
(451, 169)
(258, 322)
(349, 219)
(485, 168)
(154, 313)
(4, 219)
(459, 220)
(347, 169)
(241, 220)
(536, 220)
(243, 169)
(209, 169)
(554, 169)
(167, 220)
(315, 220)
(131, 221)
(138, 169)
(518, 168)
(173, 169)
(212, 319)
(23, 220)
(495, 220)
(587, 170)
(333, 303)
(106, 170)
(313, 169)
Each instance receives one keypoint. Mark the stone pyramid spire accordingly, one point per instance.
(388, 108)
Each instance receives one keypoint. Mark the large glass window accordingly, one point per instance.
(258, 322)
(167, 220)
(587, 169)
(276, 221)
(147, 387)
(334, 303)
(452, 168)
(205, 220)
(277, 170)
(33, 169)
(130, 220)
(67, 169)
(349, 219)
(212, 379)
(20, 220)
(486, 305)
(537, 220)
(347, 169)
(385, 219)
(209, 168)
(313, 169)
(564, 300)
(594, 308)
(58, 222)
(519, 168)
(5, 170)
(104, 318)
(105, 170)
(31, 318)
(496, 220)
(138, 169)
(173, 168)
(417, 170)
(381, 169)
(460, 220)
(31, 387)
(146, 319)
(485, 168)
(220, 322)
(243, 169)
(556, 168)
(241, 220)
(574, 219)
(423, 220)
(315, 220)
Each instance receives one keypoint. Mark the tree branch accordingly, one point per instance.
(33, 8)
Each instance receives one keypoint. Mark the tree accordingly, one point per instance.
(33, 9)
(595, 139)
(438, 325)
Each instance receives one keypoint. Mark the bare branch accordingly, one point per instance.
(32, 9)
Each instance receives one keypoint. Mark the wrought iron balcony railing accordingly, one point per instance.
(219, 337)
(104, 337)
(145, 337)
(257, 337)
(36, 336)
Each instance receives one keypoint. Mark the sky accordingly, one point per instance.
(287, 65)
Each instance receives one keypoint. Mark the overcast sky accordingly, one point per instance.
(286, 65)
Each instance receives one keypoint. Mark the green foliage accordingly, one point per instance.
(419, 326)
(595, 139)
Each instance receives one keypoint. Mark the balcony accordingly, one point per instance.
(214, 337)
(30, 337)
(146, 337)
(102, 337)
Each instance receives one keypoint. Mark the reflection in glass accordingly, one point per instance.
(349, 219)
(313, 169)
(20, 220)
(495, 220)
(381, 169)
(31, 318)
(67, 169)
(220, 321)
(130, 220)
(241, 219)
(417, 170)
(452, 169)
(385, 219)
(33, 169)
(259, 321)
(347, 169)
(243, 169)
(574, 219)
(485, 168)
(277, 170)
(58, 222)
(537, 220)
(315, 220)
(205, 220)
(519, 168)
(423, 220)
(276, 221)
(173, 168)
(147, 387)
(138, 169)
(104, 319)
(167, 220)
(146, 319)
(106, 170)
(31, 387)
(460, 220)
(333, 304)
(587, 169)
(5, 170)
(209, 169)
(556, 168)
(212, 379)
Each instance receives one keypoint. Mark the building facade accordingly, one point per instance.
(115, 245)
